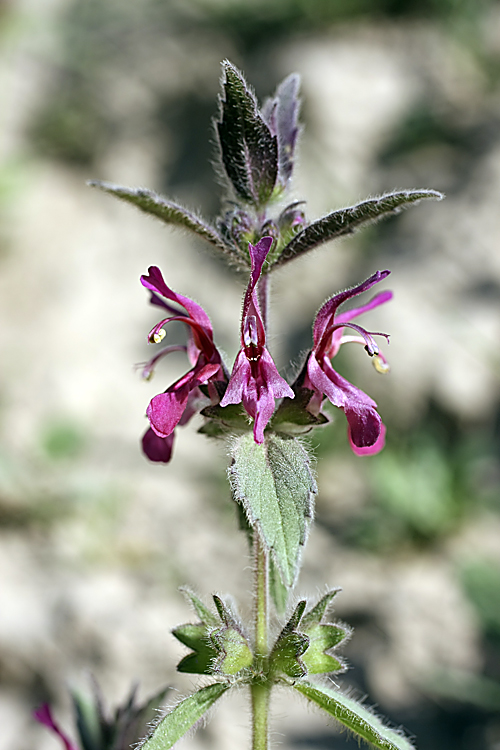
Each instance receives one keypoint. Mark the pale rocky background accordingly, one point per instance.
(94, 540)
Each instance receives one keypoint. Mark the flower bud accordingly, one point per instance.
(270, 229)
(292, 219)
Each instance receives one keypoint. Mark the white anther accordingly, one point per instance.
(159, 335)
(381, 365)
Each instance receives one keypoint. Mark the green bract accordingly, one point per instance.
(215, 650)
(302, 644)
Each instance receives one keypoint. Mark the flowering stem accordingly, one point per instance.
(260, 711)
(261, 688)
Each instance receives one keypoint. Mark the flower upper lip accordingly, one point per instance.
(366, 431)
(168, 409)
(255, 381)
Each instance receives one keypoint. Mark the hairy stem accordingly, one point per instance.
(261, 688)
(260, 714)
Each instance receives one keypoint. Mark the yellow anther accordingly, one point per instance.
(158, 336)
(381, 365)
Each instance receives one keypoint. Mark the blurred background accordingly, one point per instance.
(94, 540)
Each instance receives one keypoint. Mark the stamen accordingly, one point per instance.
(381, 364)
(148, 367)
(157, 336)
(250, 334)
(378, 360)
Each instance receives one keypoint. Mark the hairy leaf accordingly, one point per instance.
(183, 717)
(316, 614)
(205, 615)
(234, 653)
(249, 151)
(285, 656)
(289, 647)
(274, 483)
(169, 212)
(196, 637)
(353, 715)
(322, 637)
(278, 590)
(347, 220)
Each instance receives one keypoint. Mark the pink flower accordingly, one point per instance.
(44, 716)
(366, 431)
(255, 380)
(182, 399)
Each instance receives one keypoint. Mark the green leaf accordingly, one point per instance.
(278, 590)
(347, 220)
(322, 637)
(353, 715)
(289, 647)
(233, 649)
(196, 637)
(88, 722)
(249, 152)
(205, 615)
(231, 418)
(292, 417)
(183, 717)
(275, 485)
(316, 614)
(168, 211)
(100, 729)
(286, 654)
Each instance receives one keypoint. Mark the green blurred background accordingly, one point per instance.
(94, 541)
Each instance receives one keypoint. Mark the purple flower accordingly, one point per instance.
(184, 398)
(255, 380)
(44, 716)
(366, 431)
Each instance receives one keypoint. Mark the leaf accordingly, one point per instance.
(286, 655)
(233, 649)
(316, 614)
(353, 715)
(322, 637)
(88, 723)
(169, 212)
(196, 637)
(183, 717)
(99, 729)
(206, 616)
(347, 220)
(249, 151)
(293, 418)
(278, 590)
(289, 647)
(274, 483)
